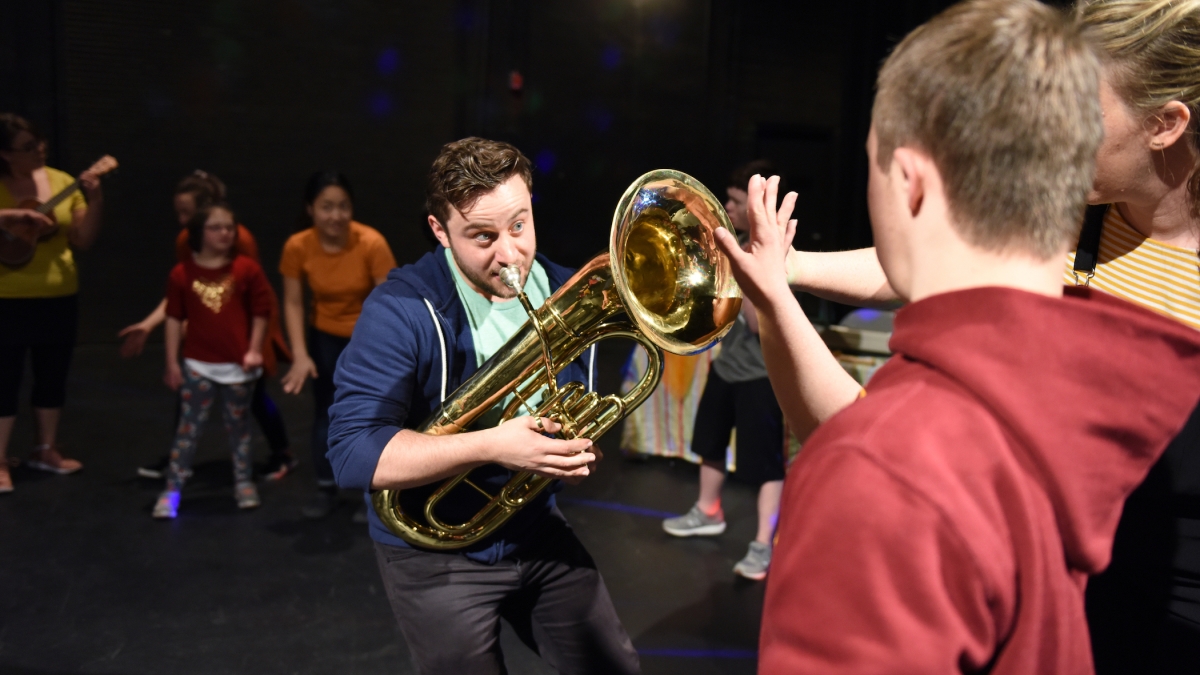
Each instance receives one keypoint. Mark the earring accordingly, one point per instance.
(1156, 145)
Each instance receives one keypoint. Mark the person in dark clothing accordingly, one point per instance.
(422, 333)
(738, 395)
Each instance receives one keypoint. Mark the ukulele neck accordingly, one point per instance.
(53, 202)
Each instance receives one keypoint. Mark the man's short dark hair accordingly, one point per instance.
(467, 169)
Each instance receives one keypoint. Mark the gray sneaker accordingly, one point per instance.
(246, 495)
(754, 565)
(695, 523)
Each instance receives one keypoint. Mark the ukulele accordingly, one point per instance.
(18, 242)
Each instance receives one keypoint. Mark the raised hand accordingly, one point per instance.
(521, 446)
(761, 269)
(90, 181)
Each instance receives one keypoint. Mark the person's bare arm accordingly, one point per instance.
(293, 318)
(809, 383)
(750, 315)
(411, 458)
(849, 277)
(85, 223)
(24, 219)
(173, 376)
(133, 337)
(254, 357)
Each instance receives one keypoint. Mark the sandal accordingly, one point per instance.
(5, 479)
(47, 458)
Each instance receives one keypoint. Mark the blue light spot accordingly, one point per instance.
(545, 161)
(610, 58)
(600, 118)
(388, 61)
(380, 104)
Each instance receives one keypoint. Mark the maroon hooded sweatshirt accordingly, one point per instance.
(948, 521)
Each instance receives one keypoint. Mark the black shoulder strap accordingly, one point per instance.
(1088, 250)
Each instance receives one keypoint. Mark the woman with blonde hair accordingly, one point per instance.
(1142, 244)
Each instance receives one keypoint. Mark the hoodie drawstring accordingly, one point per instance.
(441, 338)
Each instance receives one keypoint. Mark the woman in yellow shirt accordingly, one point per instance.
(342, 261)
(38, 301)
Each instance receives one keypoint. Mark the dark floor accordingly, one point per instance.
(89, 583)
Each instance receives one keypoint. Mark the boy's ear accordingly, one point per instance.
(910, 167)
(439, 232)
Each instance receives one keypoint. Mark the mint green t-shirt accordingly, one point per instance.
(493, 323)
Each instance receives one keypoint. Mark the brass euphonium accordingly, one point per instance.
(663, 271)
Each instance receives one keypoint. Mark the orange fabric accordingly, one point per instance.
(678, 372)
(275, 348)
(341, 281)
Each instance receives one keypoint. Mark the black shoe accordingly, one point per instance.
(156, 470)
(322, 504)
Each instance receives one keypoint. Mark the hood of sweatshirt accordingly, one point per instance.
(1114, 384)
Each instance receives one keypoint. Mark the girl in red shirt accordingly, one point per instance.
(195, 191)
(226, 300)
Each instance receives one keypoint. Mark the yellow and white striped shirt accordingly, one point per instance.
(1146, 272)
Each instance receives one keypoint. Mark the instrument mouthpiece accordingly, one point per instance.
(511, 276)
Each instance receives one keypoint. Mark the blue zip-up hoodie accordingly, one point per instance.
(411, 349)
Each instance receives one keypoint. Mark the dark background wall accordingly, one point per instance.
(596, 92)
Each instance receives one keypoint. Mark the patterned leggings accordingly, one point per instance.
(196, 397)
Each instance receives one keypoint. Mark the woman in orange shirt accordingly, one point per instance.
(342, 261)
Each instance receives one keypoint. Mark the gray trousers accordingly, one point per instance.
(449, 607)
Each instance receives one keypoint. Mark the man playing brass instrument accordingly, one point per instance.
(424, 332)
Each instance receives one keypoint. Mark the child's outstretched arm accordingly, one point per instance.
(849, 277)
(133, 337)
